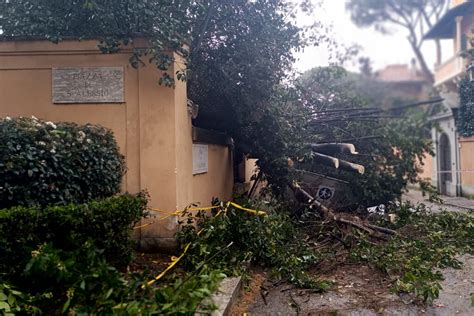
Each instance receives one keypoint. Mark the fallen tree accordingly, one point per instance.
(329, 215)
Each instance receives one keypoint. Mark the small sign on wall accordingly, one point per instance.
(200, 158)
(88, 85)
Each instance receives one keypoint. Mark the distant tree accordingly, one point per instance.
(416, 16)
(365, 67)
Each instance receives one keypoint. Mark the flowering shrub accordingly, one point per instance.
(56, 163)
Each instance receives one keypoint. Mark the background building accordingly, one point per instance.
(453, 165)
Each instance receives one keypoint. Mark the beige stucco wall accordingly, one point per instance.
(427, 172)
(218, 181)
(251, 169)
(455, 64)
(466, 24)
(25, 90)
(466, 153)
(456, 2)
(152, 127)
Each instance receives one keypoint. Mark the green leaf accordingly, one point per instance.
(66, 305)
(4, 306)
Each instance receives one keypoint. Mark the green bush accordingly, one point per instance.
(46, 163)
(108, 223)
(78, 282)
(81, 282)
(236, 236)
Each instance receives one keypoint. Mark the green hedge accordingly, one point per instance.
(107, 223)
(56, 163)
(465, 117)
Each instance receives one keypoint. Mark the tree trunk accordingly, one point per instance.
(421, 59)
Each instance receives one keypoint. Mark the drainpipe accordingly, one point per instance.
(458, 168)
(438, 162)
(459, 60)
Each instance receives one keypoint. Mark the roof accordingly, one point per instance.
(399, 73)
(445, 27)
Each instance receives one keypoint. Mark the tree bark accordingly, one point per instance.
(421, 59)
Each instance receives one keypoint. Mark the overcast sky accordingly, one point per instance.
(382, 49)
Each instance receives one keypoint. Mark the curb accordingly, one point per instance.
(225, 296)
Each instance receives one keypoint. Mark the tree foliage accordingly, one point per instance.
(415, 16)
(392, 159)
(165, 23)
(245, 52)
(426, 244)
(273, 240)
(465, 115)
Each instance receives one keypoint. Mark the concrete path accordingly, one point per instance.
(452, 204)
(458, 286)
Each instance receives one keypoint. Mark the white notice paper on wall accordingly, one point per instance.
(200, 158)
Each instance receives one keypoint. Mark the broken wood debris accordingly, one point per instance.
(328, 214)
(320, 157)
(334, 148)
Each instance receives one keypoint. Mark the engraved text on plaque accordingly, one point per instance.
(88, 85)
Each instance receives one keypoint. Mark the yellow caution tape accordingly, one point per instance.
(161, 211)
(144, 225)
(191, 209)
(194, 209)
(174, 259)
(248, 210)
(176, 213)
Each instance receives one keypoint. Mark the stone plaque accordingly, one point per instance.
(200, 158)
(88, 85)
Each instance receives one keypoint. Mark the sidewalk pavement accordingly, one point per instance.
(452, 204)
(458, 284)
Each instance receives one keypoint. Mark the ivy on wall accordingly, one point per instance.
(465, 119)
(465, 116)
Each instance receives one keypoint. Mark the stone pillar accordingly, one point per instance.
(165, 154)
(458, 42)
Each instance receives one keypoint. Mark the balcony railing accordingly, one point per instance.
(450, 69)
